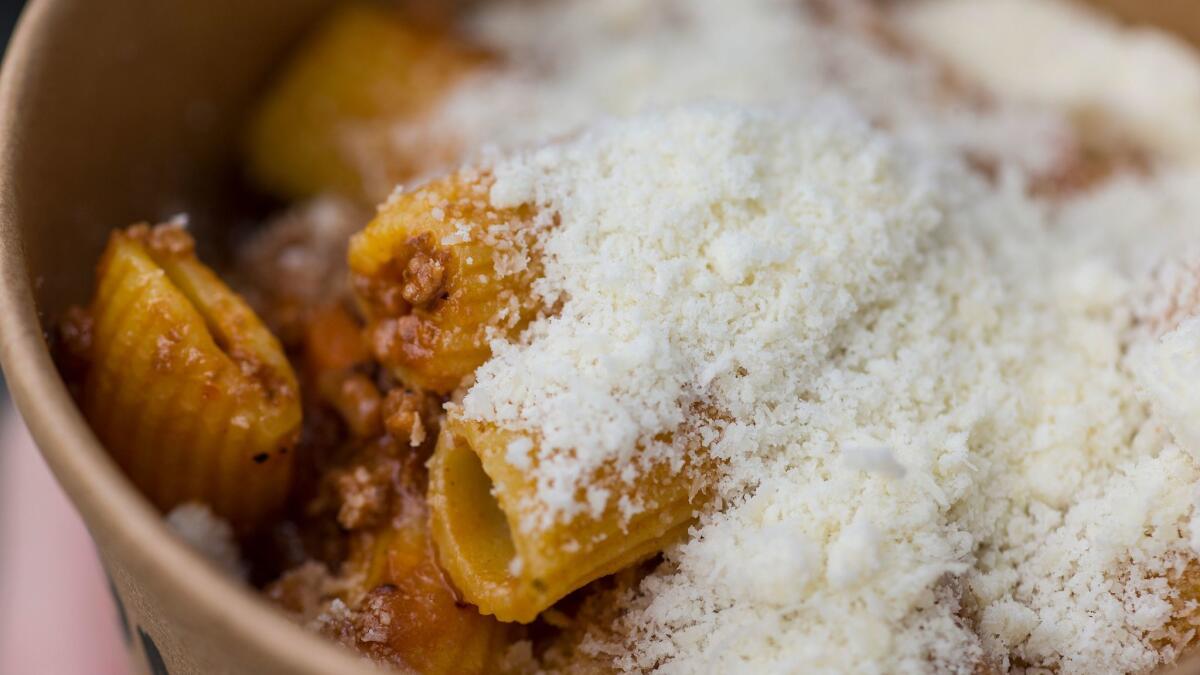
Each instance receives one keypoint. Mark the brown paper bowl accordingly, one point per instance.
(115, 111)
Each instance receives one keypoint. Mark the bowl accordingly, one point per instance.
(115, 112)
(127, 110)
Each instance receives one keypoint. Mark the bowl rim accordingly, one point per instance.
(98, 489)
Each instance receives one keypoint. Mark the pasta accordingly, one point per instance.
(484, 523)
(325, 125)
(438, 273)
(190, 392)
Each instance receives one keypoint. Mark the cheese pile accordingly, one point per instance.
(954, 421)
(695, 245)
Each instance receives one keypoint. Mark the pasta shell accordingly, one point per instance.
(187, 389)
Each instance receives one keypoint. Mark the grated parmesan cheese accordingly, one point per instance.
(209, 535)
(875, 459)
(1057, 53)
(611, 371)
(820, 284)
(567, 63)
(934, 453)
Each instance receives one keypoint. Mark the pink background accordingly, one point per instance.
(56, 614)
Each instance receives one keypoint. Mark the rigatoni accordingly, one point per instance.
(189, 391)
(440, 272)
(327, 124)
(513, 566)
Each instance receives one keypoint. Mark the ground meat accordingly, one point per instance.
(424, 274)
(305, 591)
(375, 484)
(402, 340)
(403, 415)
(365, 494)
(416, 276)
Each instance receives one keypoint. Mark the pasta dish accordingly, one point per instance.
(687, 336)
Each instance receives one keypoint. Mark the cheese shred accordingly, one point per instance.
(951, 415)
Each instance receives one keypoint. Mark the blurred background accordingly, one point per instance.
(56, 614)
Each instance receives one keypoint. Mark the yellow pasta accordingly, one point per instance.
(438, 272)
(326, 124)
(189, 391)
(479, 501)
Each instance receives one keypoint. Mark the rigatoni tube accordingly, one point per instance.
(514, 567)
(439, 273)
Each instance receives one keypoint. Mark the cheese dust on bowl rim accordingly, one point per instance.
(111, 112)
